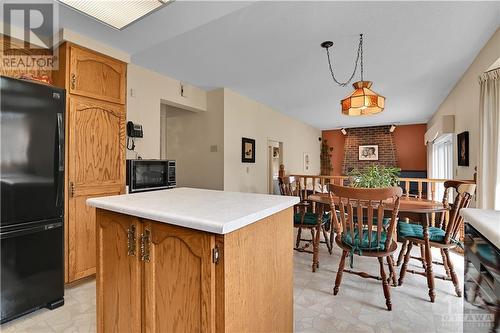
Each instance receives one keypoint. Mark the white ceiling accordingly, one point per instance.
(172, 20)
(415, 52)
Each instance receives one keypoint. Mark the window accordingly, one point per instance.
(442, 161)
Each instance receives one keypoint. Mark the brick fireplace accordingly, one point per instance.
(376, 135)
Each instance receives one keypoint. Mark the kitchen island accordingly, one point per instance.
(186, 260)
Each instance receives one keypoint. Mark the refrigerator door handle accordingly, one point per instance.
(29, 230)
(60, 141)
(60, 155)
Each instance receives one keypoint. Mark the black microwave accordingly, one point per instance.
(149, 175)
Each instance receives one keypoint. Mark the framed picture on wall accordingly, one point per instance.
(247, 150)
(368, 153)
(307, 162)
(463, 148)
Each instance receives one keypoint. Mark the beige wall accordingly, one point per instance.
(146, 91)
(244, 117)
(189, 139)
(463, 102)
(217, 118)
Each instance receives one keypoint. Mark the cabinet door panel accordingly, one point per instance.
(119, 274)
(179, 280)
(96, 143)
(81, 236)
(97, 76)
(96, 167)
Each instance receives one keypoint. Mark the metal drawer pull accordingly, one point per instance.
(131, 240)
(73, 81)
(145, 245)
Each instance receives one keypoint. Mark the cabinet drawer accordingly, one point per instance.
(96, 76)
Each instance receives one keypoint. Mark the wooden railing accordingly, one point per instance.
(423, 188)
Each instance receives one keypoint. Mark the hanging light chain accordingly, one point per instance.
(361, 48)
(358, 58)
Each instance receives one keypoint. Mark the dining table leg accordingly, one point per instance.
(422, 255)
(327, 240)
(402, 252)
(316, 240)
(428, 257)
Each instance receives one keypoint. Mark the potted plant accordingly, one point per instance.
(375, 176)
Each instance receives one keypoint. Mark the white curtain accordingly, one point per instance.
(489, 149)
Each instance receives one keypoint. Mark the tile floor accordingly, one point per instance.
(360, 303)
(76, 315)
(359, 306)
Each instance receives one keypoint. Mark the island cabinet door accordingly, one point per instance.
(179, 279)
(118, 273)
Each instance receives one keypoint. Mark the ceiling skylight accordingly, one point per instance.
(116, 13)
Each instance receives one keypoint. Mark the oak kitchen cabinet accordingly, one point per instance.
(95, 168)
(175, 262)
(154, 276)
(119, 279)
(95, 148)
(96, 76)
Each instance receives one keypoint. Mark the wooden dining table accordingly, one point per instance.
(418, 210)
(406, 204)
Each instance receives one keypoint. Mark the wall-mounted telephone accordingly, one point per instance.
(134, 130)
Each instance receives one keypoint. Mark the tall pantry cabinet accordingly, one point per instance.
(95, 146)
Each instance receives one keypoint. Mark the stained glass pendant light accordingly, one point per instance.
(363, 100)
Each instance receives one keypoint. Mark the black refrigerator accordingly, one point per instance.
(32, 202)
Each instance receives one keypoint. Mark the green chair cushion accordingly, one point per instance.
(417, 231)
(365, 244)
(487, 252)
(310, 218)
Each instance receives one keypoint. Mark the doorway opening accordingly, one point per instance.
(175, 137)
(275, 159)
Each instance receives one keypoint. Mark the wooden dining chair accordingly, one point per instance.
(372, 236)
(414, 219)
(306, 217)
(444, 237)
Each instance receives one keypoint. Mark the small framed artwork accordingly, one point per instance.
(307, 162)
(368, 153)
(463, 148)
(247, 150)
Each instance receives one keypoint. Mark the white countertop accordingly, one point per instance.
(217, 212)
(486, 221)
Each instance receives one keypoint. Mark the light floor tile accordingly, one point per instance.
(359, 306)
